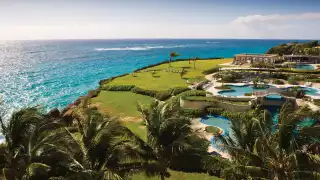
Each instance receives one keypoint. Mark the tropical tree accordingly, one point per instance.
(194, 62)
(101, 148)
(173, 55)
(278, 152)
(31, 143)
(170, 134)
(183, 72)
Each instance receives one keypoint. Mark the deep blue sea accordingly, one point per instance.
(55, 73)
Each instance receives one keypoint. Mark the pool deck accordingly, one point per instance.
(200, 129)
(215, 91)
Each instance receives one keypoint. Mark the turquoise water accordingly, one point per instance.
(55, 73)
(224, 123)
(240, 90)
(276, 97)
(218, 121)
(311, 91)
(304, 67)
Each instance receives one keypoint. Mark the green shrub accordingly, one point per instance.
(118, 87)
(193, 113)
(145, 92)
(248, 94)
(210, 71)
(313, 80)
(278, 81)
(195, 98)
(224, 87)
(292, 80)
(194, 93)
(212, 129)
(316, 102)
(162, 95)
(178, 90)
(214, 110)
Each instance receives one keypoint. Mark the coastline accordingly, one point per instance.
(94, 92)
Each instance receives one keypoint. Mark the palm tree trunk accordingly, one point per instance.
(170, 62)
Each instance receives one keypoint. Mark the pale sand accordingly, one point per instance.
(200, 129)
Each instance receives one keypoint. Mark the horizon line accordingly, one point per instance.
(64, 39)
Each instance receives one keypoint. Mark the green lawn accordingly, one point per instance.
(121, 104)
(212, 129)
(137, 128)
(163, 80)
(177, 175)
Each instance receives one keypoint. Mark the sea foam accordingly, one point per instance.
(139, 48)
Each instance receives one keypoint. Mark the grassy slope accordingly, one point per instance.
(123, 104)
(164, 80)
(176, 175)
(120, 103)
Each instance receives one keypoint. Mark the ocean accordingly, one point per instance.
(54, 73)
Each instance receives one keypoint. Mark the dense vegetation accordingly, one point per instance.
(309, 48)
(261, 150)
(94, 146)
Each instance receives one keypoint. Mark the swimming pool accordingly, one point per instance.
(224, 123)
(218, 121)
(311, 91)
(304, 67)
(240, 90)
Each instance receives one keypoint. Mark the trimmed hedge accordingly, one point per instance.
(193, 113)
(194, 93)
(178, 90)
(223, 87)
(118, 87)
(214, 110)
(279, 82)
(160, 95)
(210, 71)
(248, 94)
(145, 92)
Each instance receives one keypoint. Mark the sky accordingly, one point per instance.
(144, 19)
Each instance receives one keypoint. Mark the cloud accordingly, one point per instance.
(288, 26)
(252, 19)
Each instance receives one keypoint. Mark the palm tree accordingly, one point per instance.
(102, 148)
(167, 132)
(277, 153)
(31, 143)
(173, 55)
(194, 62)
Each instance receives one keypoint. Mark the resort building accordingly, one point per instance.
(302, 59)
(250, 58)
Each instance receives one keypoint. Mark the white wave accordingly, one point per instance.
(208, 42)
(138, 48)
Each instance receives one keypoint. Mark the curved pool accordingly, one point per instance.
(240, 90)
(218, 121)
(310, 91)
(304, 67)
